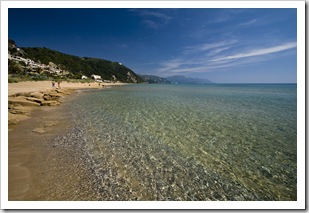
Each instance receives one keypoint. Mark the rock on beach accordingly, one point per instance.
(20, 105)
(26, 96)
(39, 130)
(22, 101)
(50, 103)
(38, 95)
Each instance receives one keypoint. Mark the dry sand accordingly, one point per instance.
(23, 96)
(40, 168)
(36, 86)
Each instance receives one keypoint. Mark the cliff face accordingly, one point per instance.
(14, 50)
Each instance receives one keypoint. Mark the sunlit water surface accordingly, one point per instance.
(191, 142)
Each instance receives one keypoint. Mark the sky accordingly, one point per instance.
(223, 45)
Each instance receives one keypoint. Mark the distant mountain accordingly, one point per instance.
(178, 79)
(153, 79)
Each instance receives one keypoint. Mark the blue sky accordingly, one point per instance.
(223, 45)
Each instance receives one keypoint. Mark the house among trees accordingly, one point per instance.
(96, 77)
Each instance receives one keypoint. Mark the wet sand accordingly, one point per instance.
(42, 167)
(26, 96)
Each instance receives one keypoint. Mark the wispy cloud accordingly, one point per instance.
(207, 46)
(218, 50)
(215, 56)
(226, 15)
(257, 52)
(171, 64)
(152, 18)
(155, 14)
(247, 23)
(151, 24)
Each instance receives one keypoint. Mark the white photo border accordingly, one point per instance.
(299, 204)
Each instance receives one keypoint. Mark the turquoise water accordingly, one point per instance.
(191, 142)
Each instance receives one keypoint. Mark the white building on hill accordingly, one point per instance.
(96, 77)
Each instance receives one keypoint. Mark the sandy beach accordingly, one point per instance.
(36, 86)
(28, 95)
(40, 166)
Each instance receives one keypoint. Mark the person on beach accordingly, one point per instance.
(53, 84)
(59, 85)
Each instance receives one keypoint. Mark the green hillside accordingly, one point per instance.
(79, 66)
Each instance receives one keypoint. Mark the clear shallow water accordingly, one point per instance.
(189, 142)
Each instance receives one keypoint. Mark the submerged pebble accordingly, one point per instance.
(186, 143)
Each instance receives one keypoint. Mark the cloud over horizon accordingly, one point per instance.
(234, 39)
(211, 57)
(222, 44)
(257, 52)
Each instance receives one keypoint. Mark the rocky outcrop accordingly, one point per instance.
(50, 103)
(51, 96)
(20, 105)
(38, 95)
(21, 100)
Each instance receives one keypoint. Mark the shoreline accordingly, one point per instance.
(83, 160)
(36, 86)
(42, 167)
(24, 97)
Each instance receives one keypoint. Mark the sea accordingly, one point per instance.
(226, 142)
